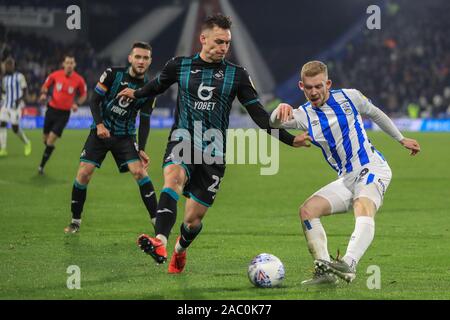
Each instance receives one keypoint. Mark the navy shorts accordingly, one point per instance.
(123, 148)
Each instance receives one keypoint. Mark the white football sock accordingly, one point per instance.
(3, 138)
(179, 248)
(316, 239)
(77, 221)
(360, 240)
(163, 239)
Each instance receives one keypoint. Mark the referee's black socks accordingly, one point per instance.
(78, 199)
(166, 215)
(148, 196)
(47, 153)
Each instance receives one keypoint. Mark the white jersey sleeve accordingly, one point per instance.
(22, 81)
(298, 122)
(367, 108)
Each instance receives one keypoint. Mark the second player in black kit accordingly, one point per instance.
(114, 131)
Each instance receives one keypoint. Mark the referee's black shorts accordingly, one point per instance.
(55, 120)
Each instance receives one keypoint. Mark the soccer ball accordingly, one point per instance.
(266, 271)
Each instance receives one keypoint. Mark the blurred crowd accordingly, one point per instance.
(36, 56)
(405, 66)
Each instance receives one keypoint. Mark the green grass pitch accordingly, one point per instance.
(252, 214)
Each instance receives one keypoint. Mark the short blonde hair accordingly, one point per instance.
(313, 68)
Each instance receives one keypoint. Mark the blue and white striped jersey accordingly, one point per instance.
(337, 128)
(13, 86)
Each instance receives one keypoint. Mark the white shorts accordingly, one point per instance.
(10, 115)
(370, 181)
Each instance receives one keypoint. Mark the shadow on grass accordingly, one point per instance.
(45, 180)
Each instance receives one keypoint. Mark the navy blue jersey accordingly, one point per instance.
(205, 93)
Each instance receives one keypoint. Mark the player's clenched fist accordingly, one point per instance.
(302, 140)
(412, 145)
(285, 112)
(144, 159)
(102, 132)
(127, 92)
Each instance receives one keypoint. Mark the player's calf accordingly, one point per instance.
(313, 230)
(77, 203)
(148, 196)
(79, 191)
(46, 156)
(166, 213)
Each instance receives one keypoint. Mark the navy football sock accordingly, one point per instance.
(47, 153)
(166, 215)
(148, 196)
(78, 199)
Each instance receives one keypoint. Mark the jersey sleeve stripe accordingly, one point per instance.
(250, 102)
(101, 89)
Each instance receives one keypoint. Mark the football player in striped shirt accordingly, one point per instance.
(332, 121)
(14, 90)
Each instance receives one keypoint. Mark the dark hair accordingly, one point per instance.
(142, 45)
(219, 20)
(68, 55)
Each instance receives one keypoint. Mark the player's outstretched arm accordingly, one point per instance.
(386, 124)
(262, 119)
(156, 86)
(150, 90)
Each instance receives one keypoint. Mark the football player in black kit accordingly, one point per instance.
(207, 86)
(114, 130)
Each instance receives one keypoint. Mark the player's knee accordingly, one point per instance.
(364, 207)
(139, 173)
(174, 179)
(84, 175)
(3, 124)
(304, 212)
